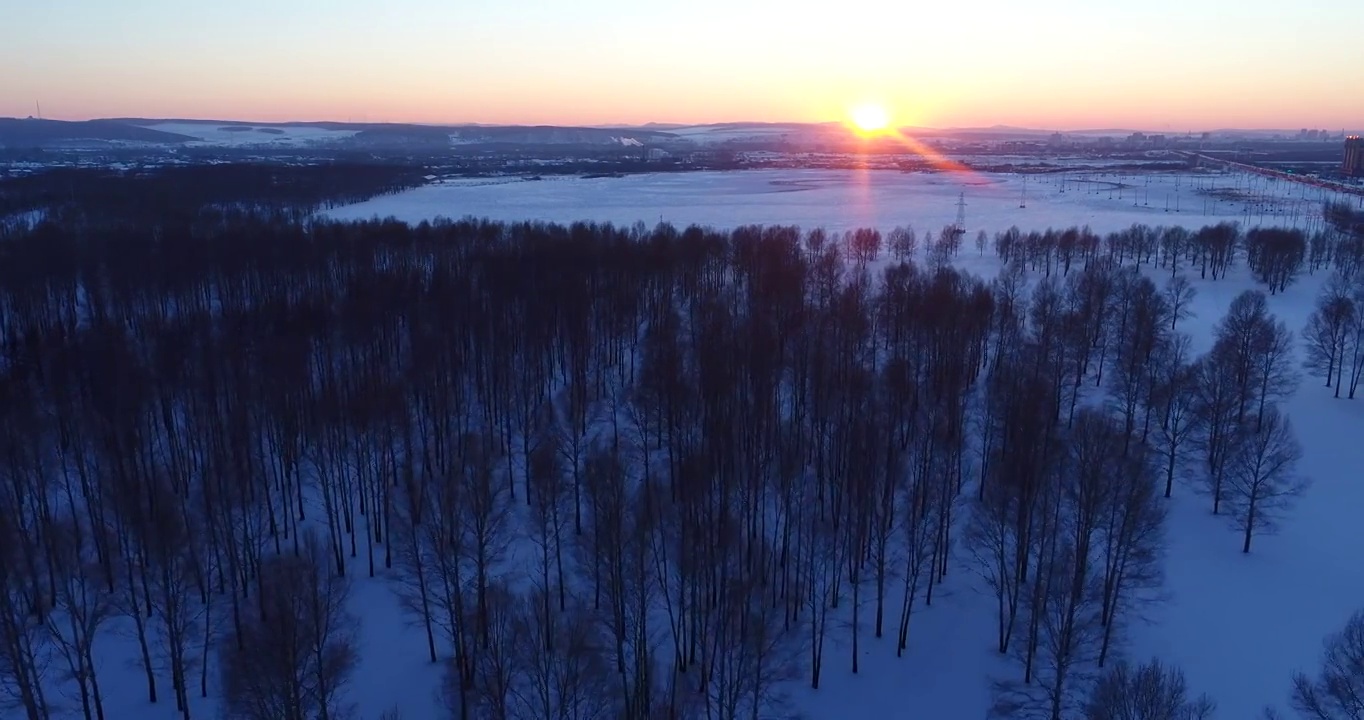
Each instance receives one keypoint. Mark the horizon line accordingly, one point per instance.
(669, 124)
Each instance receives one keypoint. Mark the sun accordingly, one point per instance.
(869, 119)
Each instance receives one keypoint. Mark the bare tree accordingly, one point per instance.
(498, 673)
(917, 523)
(1274, 367)
(865, 244)
(1010, 519)
(485, 516)
(1176, 406)
(1217, 248)
(1275, 255)
(546, 494)
(1174, 242)
(903, 243)
(564, 677)
(414, 582)
(83, 604)
(1356, 337)
(1257, 350)
(753, 656)
(433, 557)
(1217, 404)
(1327, 337)
(24, 652)
(172, 596)
(1151, 691)
(1337, 692)
(825, 552)
(1094, 558)
(1130, 546)
(296, 655)
(1179, 295)
(1262, 479)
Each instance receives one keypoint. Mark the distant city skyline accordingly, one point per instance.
(1160, 66)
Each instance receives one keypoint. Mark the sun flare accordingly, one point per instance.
(869, 119)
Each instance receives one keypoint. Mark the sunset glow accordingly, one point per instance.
(870, 119)
(1052, 64)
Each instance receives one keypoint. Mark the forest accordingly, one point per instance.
(178, 194)
(624, 472)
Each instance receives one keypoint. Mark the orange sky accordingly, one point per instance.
(1167, 65)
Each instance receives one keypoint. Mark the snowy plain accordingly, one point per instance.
(1239, 625)
(216, 134)
(847, 199)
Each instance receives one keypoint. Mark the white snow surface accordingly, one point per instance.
(713, 134)
(219, 134)
(847, 199)
(1239, 625)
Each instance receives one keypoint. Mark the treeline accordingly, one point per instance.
(1275, 256)
(1345, 219)
(608, 472)
(180, 193)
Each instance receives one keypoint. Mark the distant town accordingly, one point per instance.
(32, 145)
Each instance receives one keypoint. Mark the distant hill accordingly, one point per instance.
(555, 135)
(33, 133)
(279, 137)
(389, 136)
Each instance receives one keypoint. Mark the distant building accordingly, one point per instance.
(1354, 156)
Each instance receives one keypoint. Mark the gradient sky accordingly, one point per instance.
(1064, 64)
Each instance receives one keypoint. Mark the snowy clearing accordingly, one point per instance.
(843, 200)
(221, 135)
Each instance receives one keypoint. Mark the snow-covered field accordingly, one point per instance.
(844, 199)
(715, 134)
(1239, 625)
(220, 135)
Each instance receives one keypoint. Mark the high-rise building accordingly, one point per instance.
(1354, 156)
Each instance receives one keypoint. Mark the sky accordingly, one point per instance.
(1160, 65)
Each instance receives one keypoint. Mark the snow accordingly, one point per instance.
(25, 218)
(846, 199)
(226, 135)
(714, 134)
(1239, 625)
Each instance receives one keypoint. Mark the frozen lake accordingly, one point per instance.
(844, 199)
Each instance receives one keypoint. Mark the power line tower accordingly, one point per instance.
(961, 214)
